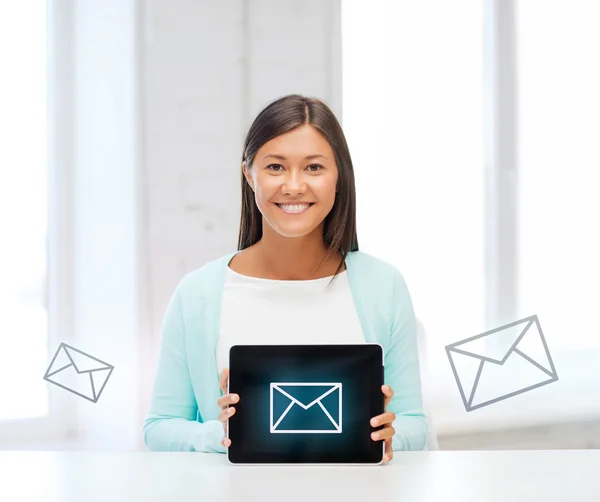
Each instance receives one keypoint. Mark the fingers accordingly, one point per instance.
(228, 399)
(223, 380)
(226, 414)
(388, 393)
(389, 454)
(225, 402)
(385, 433)
(387, 418)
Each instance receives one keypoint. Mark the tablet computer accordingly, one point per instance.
(305, 404)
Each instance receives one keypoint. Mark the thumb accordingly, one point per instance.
(388, 395)
(223, 380)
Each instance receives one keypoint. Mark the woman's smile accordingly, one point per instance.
(294, 208)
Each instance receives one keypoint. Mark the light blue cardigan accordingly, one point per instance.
(183, 413)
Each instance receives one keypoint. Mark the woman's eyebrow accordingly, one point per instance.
(308, 157)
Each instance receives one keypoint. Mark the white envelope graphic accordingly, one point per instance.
(514, 359)
(78, 372)
(287, 389)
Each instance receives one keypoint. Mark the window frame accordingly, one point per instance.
(500, 162)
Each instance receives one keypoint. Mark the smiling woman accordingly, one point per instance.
(297, 278)
(297, 135)
(296, 189)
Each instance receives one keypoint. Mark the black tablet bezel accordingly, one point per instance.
(376, 405)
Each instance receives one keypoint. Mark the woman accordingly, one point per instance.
(297, 277)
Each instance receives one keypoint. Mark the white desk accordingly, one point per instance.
(461, 476)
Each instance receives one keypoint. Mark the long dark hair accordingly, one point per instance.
(279, 117)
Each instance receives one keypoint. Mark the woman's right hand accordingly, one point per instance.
(225, 403)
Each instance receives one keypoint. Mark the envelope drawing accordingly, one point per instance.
(305, 411)
(501, 363)
(78, 372)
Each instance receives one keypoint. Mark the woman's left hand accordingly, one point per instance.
(386, 419)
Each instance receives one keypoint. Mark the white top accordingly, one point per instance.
(412, 476)
(258, 311)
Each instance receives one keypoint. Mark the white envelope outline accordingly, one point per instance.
(530, 326)
(276, 387)
(95, 365)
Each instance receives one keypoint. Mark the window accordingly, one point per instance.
(23, 211)
(430, 128)
(559, 176)
(413, 117)
(559, 168)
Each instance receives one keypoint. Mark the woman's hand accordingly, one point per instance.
(386, 419)
(224, 403)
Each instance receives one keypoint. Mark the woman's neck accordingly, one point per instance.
(282, 258)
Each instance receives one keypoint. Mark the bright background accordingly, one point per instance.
(473, 129)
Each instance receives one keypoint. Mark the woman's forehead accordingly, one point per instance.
(297, 145)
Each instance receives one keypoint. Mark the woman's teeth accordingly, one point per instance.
(294, 208)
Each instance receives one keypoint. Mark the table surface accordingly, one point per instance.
(465, 476)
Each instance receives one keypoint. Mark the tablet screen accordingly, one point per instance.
(305, 403)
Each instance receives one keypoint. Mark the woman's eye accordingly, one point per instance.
(274, 167)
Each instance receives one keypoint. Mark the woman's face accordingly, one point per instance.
(294, 193)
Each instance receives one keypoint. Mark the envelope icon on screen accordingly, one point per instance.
(501, 363)
(78, 372)
(306, 408)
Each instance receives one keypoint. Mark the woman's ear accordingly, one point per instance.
(247, 175)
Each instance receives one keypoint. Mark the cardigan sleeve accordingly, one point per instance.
(402, 372)
(173, 422)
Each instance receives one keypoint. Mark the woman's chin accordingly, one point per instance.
(294, 231)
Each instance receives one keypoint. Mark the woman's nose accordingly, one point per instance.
(294, 184)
